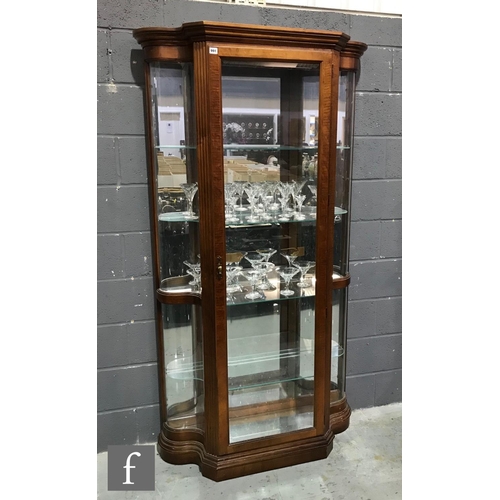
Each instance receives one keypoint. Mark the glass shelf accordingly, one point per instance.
(273, 147)
(175, 146)
(307, 212)
(241, 367)
(180, 286)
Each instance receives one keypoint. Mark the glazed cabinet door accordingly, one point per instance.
(278, 163)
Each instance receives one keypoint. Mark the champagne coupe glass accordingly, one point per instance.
(230, 189)
(290, 255)
(303, 266)
(190, 190)
(287, 273)
(253, 275)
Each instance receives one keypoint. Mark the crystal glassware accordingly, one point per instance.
(240, 190)
(287, 273)
(299, 200)
(230, 190)
(253, 276)
(303, 266)
(190, 190)
(231, 285)
(254, 258)
(253, 191)
(290, 255)
(266, 268)
(194, 269)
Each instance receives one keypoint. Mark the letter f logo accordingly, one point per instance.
(127, 466)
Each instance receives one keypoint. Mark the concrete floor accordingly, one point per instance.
(365, 464)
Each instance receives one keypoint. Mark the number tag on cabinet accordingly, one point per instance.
(213, 50)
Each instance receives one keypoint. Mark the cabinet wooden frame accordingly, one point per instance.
(206, 45)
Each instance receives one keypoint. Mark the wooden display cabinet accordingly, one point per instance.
(249, 148)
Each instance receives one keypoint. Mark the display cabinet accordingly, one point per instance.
(250, 150)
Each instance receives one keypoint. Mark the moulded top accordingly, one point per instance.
(242, 33)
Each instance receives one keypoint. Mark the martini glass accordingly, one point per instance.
(287, 273)
(290, 255)
(190, 190)
(194, 269)
(230, 190)
(253, 192)
(299, 199)
(241, 186)
(265, 267)
(314, 190)
(253, 276)
(303, 266)
(254, 258)
(231, 273)
(267, 253)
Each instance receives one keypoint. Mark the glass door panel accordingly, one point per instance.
(270, 114)
(174, 149)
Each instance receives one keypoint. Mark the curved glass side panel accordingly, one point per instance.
(339, 320)
(176, 174)
(345, 131)
(270, 116)
(183, 350)
(173, 126)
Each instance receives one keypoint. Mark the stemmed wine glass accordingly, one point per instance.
(190, 190)
(303, 266)
(287, 273)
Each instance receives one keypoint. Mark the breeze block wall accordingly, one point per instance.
(127, 387)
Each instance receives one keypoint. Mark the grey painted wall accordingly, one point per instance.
(127, 389)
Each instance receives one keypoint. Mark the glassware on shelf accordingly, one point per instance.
(266, 268)
(290, 255)
(299, 200)
(230, 195)
(267, 253)
(232, 285)
(190, 190)
(303, 266)
(240, 190)
(285, 190)
(253, 276)
(253, 190)
(254, 258)
(287, 273)
(194, 270)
